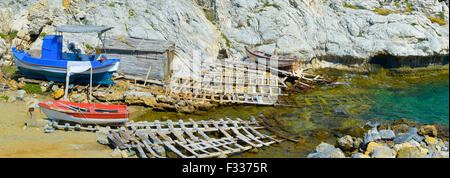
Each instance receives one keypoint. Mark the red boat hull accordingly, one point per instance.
(85, 113)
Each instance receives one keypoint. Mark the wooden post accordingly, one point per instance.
(148, 73)
(66, 90)
(90, 87)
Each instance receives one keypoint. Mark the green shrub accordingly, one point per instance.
(437, 20)
(89, 47)
(227, 41)
(4, 97)
(382, 11)
(267, 4)
(32, 88)
(350, 6)
(210, 15)
(42, 35)
(112, 5)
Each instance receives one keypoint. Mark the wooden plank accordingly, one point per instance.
(147, 143)
(189, 133)
(216, 125)
(175, 132)
(244, 138)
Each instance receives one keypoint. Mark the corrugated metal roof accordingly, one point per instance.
(82, 29)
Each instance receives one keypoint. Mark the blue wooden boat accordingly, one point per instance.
(52, 65)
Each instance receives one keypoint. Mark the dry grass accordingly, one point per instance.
(382, 11)
(437, 20)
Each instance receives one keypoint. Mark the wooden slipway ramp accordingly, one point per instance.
(192, 139)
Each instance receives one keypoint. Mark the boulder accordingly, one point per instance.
(21, 93)
(387, 134)
(103, 141)
(430, 140)
(79, 98)
(410, 152)
(412, 134)
(58, 93)
(440, 154)
(429, 130)
(401, 128)
(116, 153)
(371, 146)
(371, 135)
(12, 84)
(346, 142)
(325, 150)
(401, 146)
(11, 99)
(112, 95)
(357, 143)
(382, 152)
(359, 155)
(55, 87)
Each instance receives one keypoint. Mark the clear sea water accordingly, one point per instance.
(426, 102)
(342, 108)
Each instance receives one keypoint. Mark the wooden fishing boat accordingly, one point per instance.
(53, 63)
(85, 113)
(264, 58)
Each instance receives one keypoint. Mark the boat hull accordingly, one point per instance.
(84, 118)
(31, 68)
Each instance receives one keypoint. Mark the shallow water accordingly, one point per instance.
(342, 108)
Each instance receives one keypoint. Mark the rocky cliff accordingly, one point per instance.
(335, 33)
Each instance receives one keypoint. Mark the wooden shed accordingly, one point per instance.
(147, 60)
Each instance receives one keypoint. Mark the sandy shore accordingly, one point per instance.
(15, 141)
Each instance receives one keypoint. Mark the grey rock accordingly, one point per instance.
(296, 28)
(440, 154)
(345, 142)
(359, 155)
(21, 93)
(382, 152)
(55, 87)
(325, 150)
(116, 153)
(412, 134)
(11, 99)
(387, 134)
(371, 135)
(103, 141)
(49, 130)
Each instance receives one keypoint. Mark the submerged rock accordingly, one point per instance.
(429, 130)
(346, 142)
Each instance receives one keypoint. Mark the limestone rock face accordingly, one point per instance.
(348, 29)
